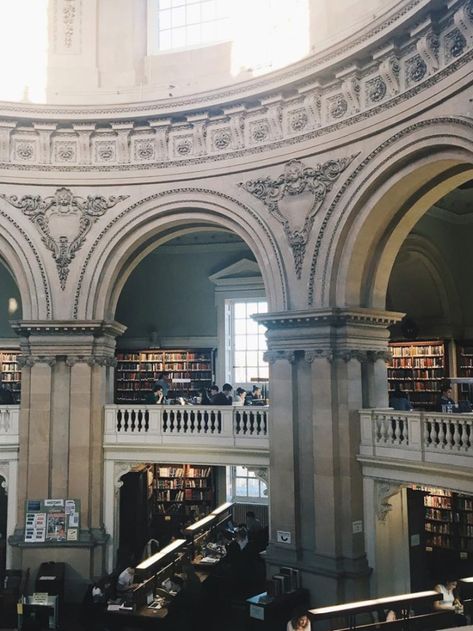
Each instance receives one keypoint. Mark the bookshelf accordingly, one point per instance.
(419, 368)
(181, 492)
(189, 371)
(10, 372)
(441, 534)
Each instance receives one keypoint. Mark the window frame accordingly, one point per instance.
(262, 500)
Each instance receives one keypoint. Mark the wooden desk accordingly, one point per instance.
(273, 614)
(402, 603)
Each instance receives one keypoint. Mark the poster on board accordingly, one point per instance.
(52, 520)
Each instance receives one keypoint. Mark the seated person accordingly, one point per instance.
(240, 397)
(224, 397)
(125, 580)
(156, 396)
(445, 400)
(253, 524)
(399, 400)
(450, 601)
(256, 393)
(299, 621)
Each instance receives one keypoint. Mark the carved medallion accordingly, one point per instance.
(63, 221)
(307, 187)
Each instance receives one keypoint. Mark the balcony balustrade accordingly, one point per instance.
(417, 436)
(212, 426)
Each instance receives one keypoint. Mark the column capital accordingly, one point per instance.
(31, 360)
(273, 356)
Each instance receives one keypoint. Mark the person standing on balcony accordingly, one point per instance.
(164, 382)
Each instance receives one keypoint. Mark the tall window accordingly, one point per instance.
(245, 486)
(185, 23)
(246, 342)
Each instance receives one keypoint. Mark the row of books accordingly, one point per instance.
(417, 362)
(410, 351)
(287, 580)
(181, 483)
(437, 502)
(179, 495)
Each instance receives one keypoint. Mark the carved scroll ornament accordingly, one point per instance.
(297, 180)
(49, 215)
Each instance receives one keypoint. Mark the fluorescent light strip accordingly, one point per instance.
(222, 508)
(374, 603)
(144, 565)
(201, 522)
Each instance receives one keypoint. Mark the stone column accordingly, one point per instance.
(322, 368)
(66, 367)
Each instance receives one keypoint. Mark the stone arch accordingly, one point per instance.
(142, 227)
(440, 275)
(380, 203)
(22, 260)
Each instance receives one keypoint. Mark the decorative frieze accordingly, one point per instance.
(320, 101)
(48, 215)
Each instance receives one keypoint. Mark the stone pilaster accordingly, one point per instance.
(66, 369)
(324, 366)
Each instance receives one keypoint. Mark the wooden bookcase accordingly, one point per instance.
(10, 372)
(190, 370)
(443, 521)
(181, 492)
(419, 368)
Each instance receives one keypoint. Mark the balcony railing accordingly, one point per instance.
(9, 416)
(426, 436)
(225, 426)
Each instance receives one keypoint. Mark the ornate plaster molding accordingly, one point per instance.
(45, 212)
(4, 473)
(296, 180)
(385, 356)
(50, 328)
(466, 123)
(384, 490)
(322, 99)
(119, 470)
(262, 474)
(312, 355)
(91, 360)
(29, 361)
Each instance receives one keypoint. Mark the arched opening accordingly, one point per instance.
(10, 309)
(187, 297)
(409, 252)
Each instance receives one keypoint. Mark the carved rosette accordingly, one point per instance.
(297, 179)
(82, 213)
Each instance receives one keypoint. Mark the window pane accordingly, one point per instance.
(240, 342)
(193, 14)
(241, 471)
(240, 310)
(177, 3)
(263, 489)
(240, 487)
(164, 4)
(251, 358)
(253, 488)
(193, 34)
(178, 17)
(208, 11)
(263, 372)
(252, 308)
(251, 326)
(164, 20)
(178, 37)
(209, 31)
(240, 375)
(240, 358)
(252, 342)
(262, 307)
(240, 327)
(165, 40)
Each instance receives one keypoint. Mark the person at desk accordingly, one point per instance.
(125, 580)
(224, 397)
(450, 601)
(240, 396)
(445, 402)
(156, 397)
(398, 400)
(299, 621)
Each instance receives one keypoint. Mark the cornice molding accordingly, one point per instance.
(335, 316)
(50, 328)
(303, 106)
